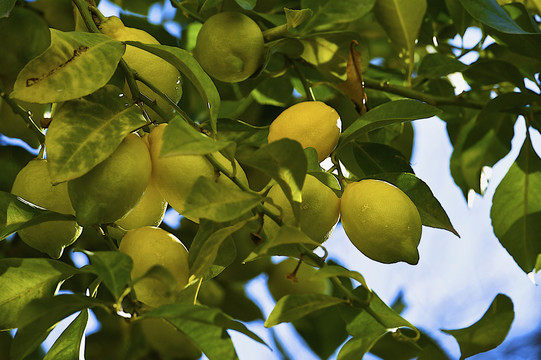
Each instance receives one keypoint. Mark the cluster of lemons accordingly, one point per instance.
(133, 186)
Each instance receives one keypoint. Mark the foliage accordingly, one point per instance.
(379, 63)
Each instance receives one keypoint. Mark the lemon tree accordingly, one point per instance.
(270, 129)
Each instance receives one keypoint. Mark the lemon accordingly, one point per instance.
(168, 341)
(13, 125)
(230, 47)
(112, 188)
(303, 283)
(33, 184)
(320, 209)
(153, 68)
(149, 246)
(311, 123)
(381, 221)
(175, 175)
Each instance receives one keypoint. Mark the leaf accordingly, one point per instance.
(5, 7)
(75, 64)
(492, 71)
(487, 333)
(335, 270)
(113, 267)
(295, 306)
(206, 327)
(358, 346)
(68, 344)
(23, 280)
(16, 215)
(285, 243)
(294, 18)
(388, 113)
(274, 91)
(187, 65)
(438, 65)
(459, 15)
(353, 86)
(489, 12)
(41, 315)
(218, 202)
(516, 208)
(430, 209)
(86, 131)
(538, 263)
(328, 13)
(401, 20)
(246, 4)
(180, 138)
(283, 160)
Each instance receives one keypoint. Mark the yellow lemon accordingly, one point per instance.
(149, 246)
(230, 47)
(175, 175)
(153, 68)
(381, 221)
(311, 123)
(320, 209)
(112, 188)
(281, 283)
(168, 341)
(33, 184)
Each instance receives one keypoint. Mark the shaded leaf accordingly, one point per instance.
(360, 345)
(353, 86)
(86, 131)
(68, 344)
(5, 7)
(493, 71)
(516, 208)
(246, 4)
(487, 333)
(295, 18)
(75, 64)
(113, 267)
(437, 65)
(327, 13)
(461, 18)
(284, 243)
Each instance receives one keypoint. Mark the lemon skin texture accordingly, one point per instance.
(311, 123)
(149, 246)
(320, 209)
(279, 284)
(33, 183)
(230, 47)
(381, 221)
(153, 68)
(168, 341)
(175, 175)
(113, 187)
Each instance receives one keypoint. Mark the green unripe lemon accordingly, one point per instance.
(149, 246)
(153, 68)
(175, 175)
(230, 47)
(381, 221)
(168, 341)
(33, 184)
(311, 123)
(281, 283)
(320, 209)
(112, 188)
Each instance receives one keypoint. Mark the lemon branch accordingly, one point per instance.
(188, 13)
(305, 83)
(25, 114)
(84, 9)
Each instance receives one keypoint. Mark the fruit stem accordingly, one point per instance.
(305, 83)
(186, 12)
(26, 115)
(110, 243)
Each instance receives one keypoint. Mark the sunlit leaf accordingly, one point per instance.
(114, 269)
(68, 344)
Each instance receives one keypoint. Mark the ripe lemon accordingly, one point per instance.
(311, 123)
(280, 285)
(153, 68)
(230, 47)
(175, 175)
(320, 209)
(168, 341)
(149, 246)
(381, 221)
(33, 183)
(112, 188)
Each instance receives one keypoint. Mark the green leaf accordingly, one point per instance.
(16, 215)
(285, 243)
(516, 208)
(68, 344)
(493, 71)
(180, 138)
(388, 113)
(12, 160)
(295, 18)
(489, 12)
(218, 202)
(86, 131)
(5, 7)
(401, 20)
(358, 346)
(430, 209)
(538, 263)
(283, 160)
(23, 280)
(461, 18)
(41, 315)
(487, 333)
(113, 267)
(328, 13)
(438, 65)
(295, 306)
(246, 4)
(274, 91)
(336, 270)
(75, 64)
(206, 327)
(187, 65)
